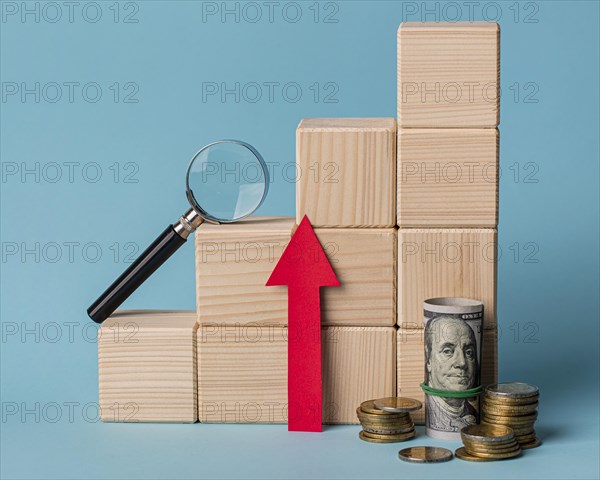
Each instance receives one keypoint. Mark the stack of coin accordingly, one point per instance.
(486, 443)
(387, 420)
(514, 405)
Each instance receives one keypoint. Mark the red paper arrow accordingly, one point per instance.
(304, 268)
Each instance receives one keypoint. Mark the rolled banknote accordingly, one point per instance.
(453, 338)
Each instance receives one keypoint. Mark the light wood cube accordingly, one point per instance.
(346, 170)
(448, 177)
(446, 263)
(359, 363)
(364, 261)
(411, 364)
(233, 264)
(448, 74)
(147, 367)
(242, 372)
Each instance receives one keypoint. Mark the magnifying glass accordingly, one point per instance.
(225, 182)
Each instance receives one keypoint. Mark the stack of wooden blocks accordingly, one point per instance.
(448, 111)
(440, 187)
(346, 187)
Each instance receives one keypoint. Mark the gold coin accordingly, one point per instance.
(508, 402)
(522, 403)
(477, 449)
(386, 424)
(425, 454)
(409, 434)
(487, 433)
(508, 421)
(506, 415)
(398, 404)
(383, 431)
(362, 436)
(524, 431)
(512, 419)
(488, 440)
(499, 456)
(463, 455)
(368, 437)
(382, 416)
(515, 426)
(528, 407)
(378, 419)
(526, 438)
(386, 417)
(487, 445)
(521, 429)
(482, 452)
(385, 421)
(510, 411)
(374, 426)
(369, 407)
(535, 443)
(518, 430)
(397, 437)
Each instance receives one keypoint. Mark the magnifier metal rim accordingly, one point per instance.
(190, 194)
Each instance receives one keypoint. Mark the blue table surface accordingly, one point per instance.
(97, 450)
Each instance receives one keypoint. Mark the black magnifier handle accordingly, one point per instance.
(167, 243)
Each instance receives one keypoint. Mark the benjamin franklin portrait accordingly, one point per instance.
(451, 363)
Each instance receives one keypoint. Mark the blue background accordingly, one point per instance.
(548, 272)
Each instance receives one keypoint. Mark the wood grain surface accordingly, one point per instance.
(448, 177)
(346, 169)
(364, 261)
(233, 264)
(448, 74)
(242, 372)
(445, 263)
(147, 367)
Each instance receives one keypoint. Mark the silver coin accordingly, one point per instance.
(398, 404)
(425, 454)
(512, 390)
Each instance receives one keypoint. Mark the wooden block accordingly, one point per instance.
(364, 261)
(242, 372)
(359, 363)
(411, 364)
(448, 177)
(346, 171)
(445, 263)
(147, 366)
(233, 263)
(448, 74)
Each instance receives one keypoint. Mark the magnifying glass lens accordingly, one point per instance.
(227, 180)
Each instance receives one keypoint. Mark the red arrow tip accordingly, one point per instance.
(304, 262)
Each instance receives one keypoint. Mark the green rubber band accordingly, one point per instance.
(436, 392)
